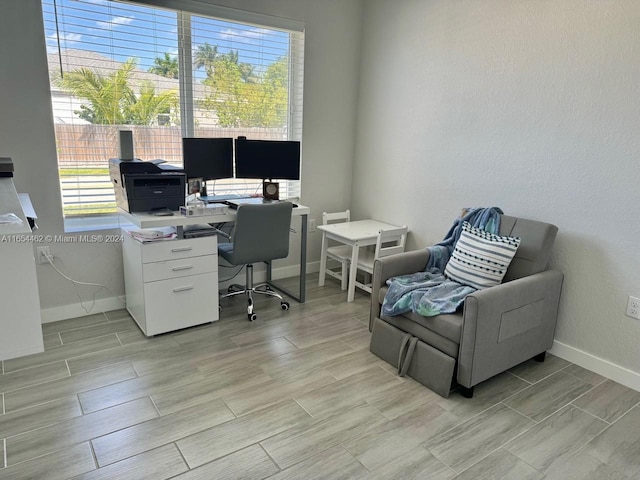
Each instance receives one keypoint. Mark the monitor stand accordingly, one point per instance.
(203, 190)
(217, 198)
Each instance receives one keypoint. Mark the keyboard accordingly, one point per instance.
(222, 198)
(253, 200)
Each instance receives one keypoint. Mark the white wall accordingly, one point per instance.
(26, 133)
(530, 106)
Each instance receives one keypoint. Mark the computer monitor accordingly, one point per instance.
(267, 159)
(208, 158)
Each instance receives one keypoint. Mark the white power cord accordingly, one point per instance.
(75, 283)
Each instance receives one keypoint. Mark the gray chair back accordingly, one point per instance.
(535, 246)
(261, 232)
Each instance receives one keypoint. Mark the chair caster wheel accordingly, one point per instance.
(251, 316)
(285, 305)
(230, 289)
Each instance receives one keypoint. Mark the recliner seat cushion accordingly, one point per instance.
(448, 326)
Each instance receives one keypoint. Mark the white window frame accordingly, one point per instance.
(184, 10)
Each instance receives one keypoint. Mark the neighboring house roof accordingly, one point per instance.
(73, 59)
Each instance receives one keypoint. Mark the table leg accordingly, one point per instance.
(323, 260)
(351, 293)
(302, 292)
(303, 258)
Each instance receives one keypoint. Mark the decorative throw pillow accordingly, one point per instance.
(480, 259)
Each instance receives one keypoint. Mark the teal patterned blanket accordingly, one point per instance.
(430, 293)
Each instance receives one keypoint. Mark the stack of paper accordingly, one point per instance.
(152, 234)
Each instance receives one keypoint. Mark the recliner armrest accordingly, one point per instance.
(507, 324)
(392, 266)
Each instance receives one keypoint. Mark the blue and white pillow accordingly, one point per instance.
(480, 259)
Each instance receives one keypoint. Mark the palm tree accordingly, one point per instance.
(111, 99)
(147, 105)
(205, 57)
(166, 66)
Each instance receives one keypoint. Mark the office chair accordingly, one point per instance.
(261, 235)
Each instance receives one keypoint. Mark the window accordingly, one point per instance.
(164, 74)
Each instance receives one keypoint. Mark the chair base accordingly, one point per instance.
(249, 290)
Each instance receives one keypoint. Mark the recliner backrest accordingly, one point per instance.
(535, 246)
(261, 232)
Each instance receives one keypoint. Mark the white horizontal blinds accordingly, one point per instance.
(243, 79)
(296, 77)
(112, 66)
(120, 65)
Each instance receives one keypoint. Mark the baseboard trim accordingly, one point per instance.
(73, 310)
(603, 367)
(260, 274)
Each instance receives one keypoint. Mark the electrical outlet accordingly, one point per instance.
(312, 225)
(633, 308)
(43, 253)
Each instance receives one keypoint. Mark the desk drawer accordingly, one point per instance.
(174, 249)
(181, 302)
(182, 267)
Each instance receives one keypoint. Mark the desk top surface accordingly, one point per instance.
(219, 215)
(357, 230)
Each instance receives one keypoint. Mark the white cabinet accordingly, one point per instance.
(171, 284)
(20, 321)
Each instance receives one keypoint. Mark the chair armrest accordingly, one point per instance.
(392, 266)
(507, 324)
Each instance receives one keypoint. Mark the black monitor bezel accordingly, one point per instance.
(218, 173)
(270, 163)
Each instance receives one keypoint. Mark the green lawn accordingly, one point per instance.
(88, 209)
(72, 172)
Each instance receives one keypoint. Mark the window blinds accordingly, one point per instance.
(164, 74)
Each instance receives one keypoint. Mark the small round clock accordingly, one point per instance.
(271, 190)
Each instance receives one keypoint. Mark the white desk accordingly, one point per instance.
(145, 220)
(360, 233)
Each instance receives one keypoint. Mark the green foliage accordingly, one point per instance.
(166, 66)
(236, 94)
(112, 100)
(205, 56)
(239, 98)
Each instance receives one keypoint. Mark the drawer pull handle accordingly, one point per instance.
(182, 289)
(184, 267)
(183, 249)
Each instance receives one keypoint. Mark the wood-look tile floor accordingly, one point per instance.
(294, 395)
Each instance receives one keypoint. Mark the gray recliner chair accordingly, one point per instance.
(261, 235)
(498, 328)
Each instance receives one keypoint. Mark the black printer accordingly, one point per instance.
(147, 186)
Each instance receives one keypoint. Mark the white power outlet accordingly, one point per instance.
(633, 308)
(312, 225)
(43, 253)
